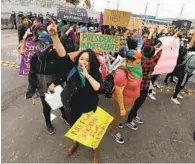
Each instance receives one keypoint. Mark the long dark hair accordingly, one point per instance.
(93, 62)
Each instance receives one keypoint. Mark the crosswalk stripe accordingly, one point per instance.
(5, 35)
(9, 44)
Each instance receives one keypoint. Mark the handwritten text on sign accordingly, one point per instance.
(29, 50)
(90, 128)
(116, 18)
(105, 43)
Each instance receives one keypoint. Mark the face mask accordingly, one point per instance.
(44, 47)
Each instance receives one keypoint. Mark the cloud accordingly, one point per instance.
(167, 8)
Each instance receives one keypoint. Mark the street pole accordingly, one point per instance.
(117, 5)
(181, 11)
(108, 2)
(146, 11)
(157, 10)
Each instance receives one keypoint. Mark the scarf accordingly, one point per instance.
(136, 70)
(83, 79)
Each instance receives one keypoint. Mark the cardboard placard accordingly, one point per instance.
(192, 40)
(116, 18)
(90, 128)
(131, 24)
(104, 43)
(134, 24)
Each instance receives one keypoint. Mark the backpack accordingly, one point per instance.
(109, 82)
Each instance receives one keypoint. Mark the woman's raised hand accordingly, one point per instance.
(85, 72)
(52, 28)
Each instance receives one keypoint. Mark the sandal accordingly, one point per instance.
(72, 149)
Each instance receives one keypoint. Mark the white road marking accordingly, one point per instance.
(12, 34)
(9, 44)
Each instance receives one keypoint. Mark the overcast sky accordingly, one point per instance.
(167, 8)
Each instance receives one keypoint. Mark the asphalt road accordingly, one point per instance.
(165, 136)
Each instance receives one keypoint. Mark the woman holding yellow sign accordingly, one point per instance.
(84, 83)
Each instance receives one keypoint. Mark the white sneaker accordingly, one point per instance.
(153, 92)
(180, 96)
(157, 85)
(175, 101)
(117, 137)
(151, 96)
(138, 120)
(131, 125)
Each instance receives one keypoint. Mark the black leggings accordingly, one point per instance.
(47, 111)
(183, 79)
(138, 103)
(153, 79)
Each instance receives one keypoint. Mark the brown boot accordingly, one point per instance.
(95, 156)
(72, 149)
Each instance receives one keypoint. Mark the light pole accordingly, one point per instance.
(108, 2)
(117, 5)
(146, 8)
(181, 11)
(157, 10)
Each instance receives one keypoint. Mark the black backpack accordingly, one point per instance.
(109, 82)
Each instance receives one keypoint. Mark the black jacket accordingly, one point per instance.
(44, 70)
(67, 43)
(80, 99)
(21, 31)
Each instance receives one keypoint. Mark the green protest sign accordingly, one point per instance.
(105, 43)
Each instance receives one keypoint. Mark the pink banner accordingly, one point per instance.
(168, 59)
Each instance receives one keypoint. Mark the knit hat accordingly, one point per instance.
(132, 54)
(148, 52)
(45, 37)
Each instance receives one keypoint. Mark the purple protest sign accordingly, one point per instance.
(29, 50)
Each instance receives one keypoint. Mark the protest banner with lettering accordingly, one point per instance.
(118, 61)
(90, 128)
(134, 24)
(168, 59)
(29, 50)
(116, 17)
(72, 14)
(105, 43)
(192, 40)
(131, 24)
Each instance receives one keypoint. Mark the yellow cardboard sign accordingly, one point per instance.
(90, 128)
(134, 24)
(192, 40)
(116, 17)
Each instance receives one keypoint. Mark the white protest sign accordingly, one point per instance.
(168, 59)
(118, 61)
